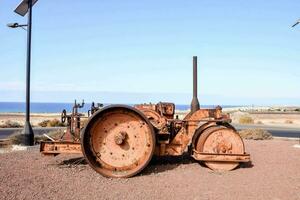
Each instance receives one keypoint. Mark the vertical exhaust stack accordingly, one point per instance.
(195, 103)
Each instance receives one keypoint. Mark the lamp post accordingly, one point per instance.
(25, 7)
(296, 23)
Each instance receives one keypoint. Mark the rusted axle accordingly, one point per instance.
(201, 156)
(57, 147)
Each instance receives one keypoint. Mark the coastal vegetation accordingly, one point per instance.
(11, 124)
(246, 120)
(51, 123)
(16, 137)
(255, 134)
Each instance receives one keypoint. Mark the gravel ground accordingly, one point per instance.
(273, 174)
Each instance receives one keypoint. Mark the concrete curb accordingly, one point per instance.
(297, 146)
(286, 138)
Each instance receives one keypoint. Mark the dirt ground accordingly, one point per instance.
(273, 174)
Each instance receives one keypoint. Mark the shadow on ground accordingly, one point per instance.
(246, 165)
(161, 164)
(73, 162)
(157, 164)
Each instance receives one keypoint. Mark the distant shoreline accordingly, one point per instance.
(279, 116)
(19, 107)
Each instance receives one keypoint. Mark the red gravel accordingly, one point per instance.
(274, 174)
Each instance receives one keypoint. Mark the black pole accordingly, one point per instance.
(195, 103)
(28, 136)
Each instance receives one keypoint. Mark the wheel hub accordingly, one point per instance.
(120, 137)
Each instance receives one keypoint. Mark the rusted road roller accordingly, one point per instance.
(120, 140)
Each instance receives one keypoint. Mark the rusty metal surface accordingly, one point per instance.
(73, 122)
(220, 140)
(57, 147)
(163, 109)
(217, 157)
(120, 140)
(158, 121)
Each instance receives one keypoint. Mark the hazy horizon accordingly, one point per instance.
(136, 98)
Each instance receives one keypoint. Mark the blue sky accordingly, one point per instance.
(141, 51)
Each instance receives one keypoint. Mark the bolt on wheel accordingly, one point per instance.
(118, 141)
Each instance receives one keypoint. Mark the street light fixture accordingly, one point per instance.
(25, 7)
(16, 25)
(296, 23)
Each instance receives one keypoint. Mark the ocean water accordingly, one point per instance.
(19, 107)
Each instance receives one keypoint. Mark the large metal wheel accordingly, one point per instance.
(118, 141)
(221, 140)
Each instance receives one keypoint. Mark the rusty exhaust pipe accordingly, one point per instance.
(195, 103)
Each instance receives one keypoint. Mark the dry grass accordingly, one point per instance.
(51, 123)
(83, 122)
(11, 124)
(53, 134)
(255, 134)
(4, 143)
(16, 137)
(288, 121)
(246, 120)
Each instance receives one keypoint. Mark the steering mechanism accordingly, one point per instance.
(63, 116)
